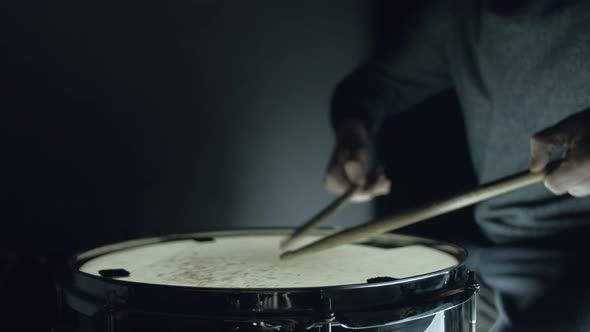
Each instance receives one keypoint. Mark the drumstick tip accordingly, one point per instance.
(284, 244)
(286, 255)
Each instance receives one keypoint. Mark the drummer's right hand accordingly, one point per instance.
(348, 165)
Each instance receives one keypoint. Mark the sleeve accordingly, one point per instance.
(397, 78)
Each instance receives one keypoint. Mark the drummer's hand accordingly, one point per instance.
(348, 165)
(573, 174)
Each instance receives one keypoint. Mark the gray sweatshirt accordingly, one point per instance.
(516, 71)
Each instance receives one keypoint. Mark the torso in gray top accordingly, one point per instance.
(515, 72)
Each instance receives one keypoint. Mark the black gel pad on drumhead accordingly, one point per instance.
(380, 279)
(114, 273)
(203, 239)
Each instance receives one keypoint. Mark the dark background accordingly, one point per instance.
(136, 118)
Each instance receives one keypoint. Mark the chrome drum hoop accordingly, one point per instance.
(375, 303)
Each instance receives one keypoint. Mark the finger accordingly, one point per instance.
(544, 144)
(336, 181)
(355, 171)
(549, 140)
(347, 167)
(378, 182)
(343, 173)
(378, 186)
(567, 175)
(581, 189)
(366, 196)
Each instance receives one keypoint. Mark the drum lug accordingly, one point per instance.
(474, 286)
(326, 316)
(472, 283)
(113, 308)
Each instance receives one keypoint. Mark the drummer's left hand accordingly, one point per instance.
(573, 174)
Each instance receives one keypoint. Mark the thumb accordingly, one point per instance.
(355, 171)
(547, 142)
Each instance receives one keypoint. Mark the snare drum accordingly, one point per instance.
(234, 281)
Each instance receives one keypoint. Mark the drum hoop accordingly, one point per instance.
(88, 292)
(79, 259)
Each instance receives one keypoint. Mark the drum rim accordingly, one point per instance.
(389, 302)
(75, 262)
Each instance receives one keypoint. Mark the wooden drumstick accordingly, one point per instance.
(412, 216)
(319, 218)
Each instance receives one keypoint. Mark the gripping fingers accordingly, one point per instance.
(336, 181)
(581, 189)
(341, 175)
(571, 173)
(378, 185)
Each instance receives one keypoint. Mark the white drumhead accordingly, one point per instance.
(252, 261)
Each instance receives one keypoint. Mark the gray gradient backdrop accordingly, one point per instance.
(138, 118)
